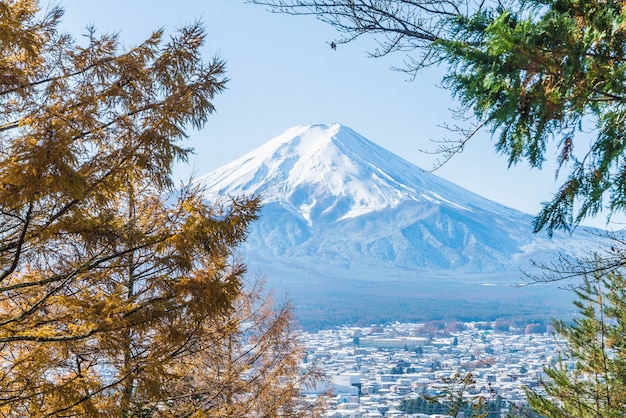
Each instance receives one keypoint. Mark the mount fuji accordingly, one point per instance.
(353, 232)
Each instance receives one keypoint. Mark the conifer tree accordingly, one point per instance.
(589, 380)
(112, 284)
(453, 396)
(250, 364)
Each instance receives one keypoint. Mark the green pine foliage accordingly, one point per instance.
(544, 71)
(589, 380)
(488, 409)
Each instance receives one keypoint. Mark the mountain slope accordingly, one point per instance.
(330, 193)
(306, 163)
(338, 207)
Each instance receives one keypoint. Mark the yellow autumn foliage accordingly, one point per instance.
(118, 293)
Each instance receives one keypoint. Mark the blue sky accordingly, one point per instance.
(283, 72)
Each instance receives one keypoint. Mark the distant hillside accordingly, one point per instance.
(342, 215)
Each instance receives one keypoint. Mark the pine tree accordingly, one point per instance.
(453, 396)
(595, 344)
(547, 71)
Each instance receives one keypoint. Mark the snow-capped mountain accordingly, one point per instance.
(306, 165)
(339, 208)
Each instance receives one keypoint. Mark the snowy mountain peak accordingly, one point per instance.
(331, 171)
(341, 214)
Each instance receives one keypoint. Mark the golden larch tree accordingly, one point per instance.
(112, 282)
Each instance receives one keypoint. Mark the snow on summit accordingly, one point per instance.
(334, 171)
(335, 199)
(345, 222)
